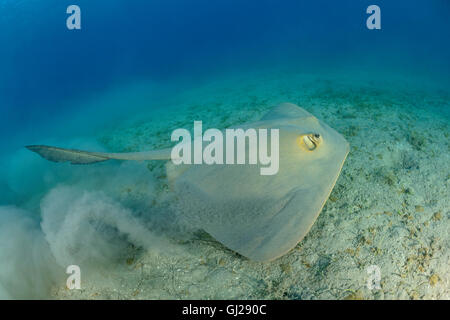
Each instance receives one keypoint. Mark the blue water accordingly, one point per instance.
(48, 71)
(43, 64)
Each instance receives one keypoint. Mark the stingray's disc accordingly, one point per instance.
(263, 217)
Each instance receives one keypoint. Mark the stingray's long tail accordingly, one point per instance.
(85, 157)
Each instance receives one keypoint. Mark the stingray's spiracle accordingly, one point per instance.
(309, 141)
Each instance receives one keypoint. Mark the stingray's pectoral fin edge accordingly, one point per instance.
(67, 155)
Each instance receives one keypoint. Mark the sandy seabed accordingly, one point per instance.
(389, 208)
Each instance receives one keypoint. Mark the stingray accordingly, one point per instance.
(260, 217)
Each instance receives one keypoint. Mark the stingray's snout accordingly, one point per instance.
(309, 141)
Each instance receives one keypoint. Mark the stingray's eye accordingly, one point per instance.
(309, 141)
